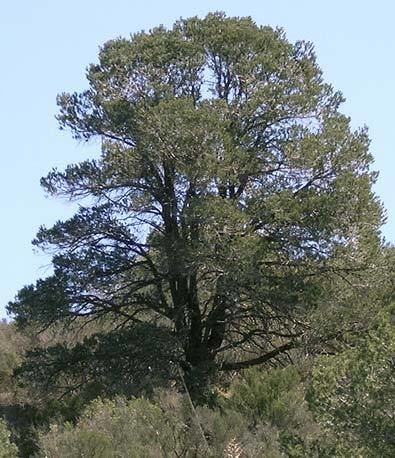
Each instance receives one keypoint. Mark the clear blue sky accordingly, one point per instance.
(45, 46)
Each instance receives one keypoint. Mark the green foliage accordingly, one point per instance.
(166, 427)
(106, 429)
(263, 414)
(8, 362)
(11, 344)
(7, 449)
(274, 396)
(354, 391)
(277, 399)
(139, 428)
(125, 362)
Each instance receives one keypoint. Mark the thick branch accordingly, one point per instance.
(238, 365)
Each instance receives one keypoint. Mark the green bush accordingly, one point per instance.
(353, 392)
(7, 448)
(276, 396)
(11, 344)
(113, 428)
(276, 400)
(141, 428)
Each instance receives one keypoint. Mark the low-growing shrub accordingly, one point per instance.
(7, 448)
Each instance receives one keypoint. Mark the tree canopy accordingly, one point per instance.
(231, 201)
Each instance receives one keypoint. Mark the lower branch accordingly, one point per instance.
(235, 366)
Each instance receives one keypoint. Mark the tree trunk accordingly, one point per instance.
(199, 372)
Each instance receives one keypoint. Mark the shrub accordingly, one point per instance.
(7, 448)
(141, 428)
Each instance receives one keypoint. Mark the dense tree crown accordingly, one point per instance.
(230, 200)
